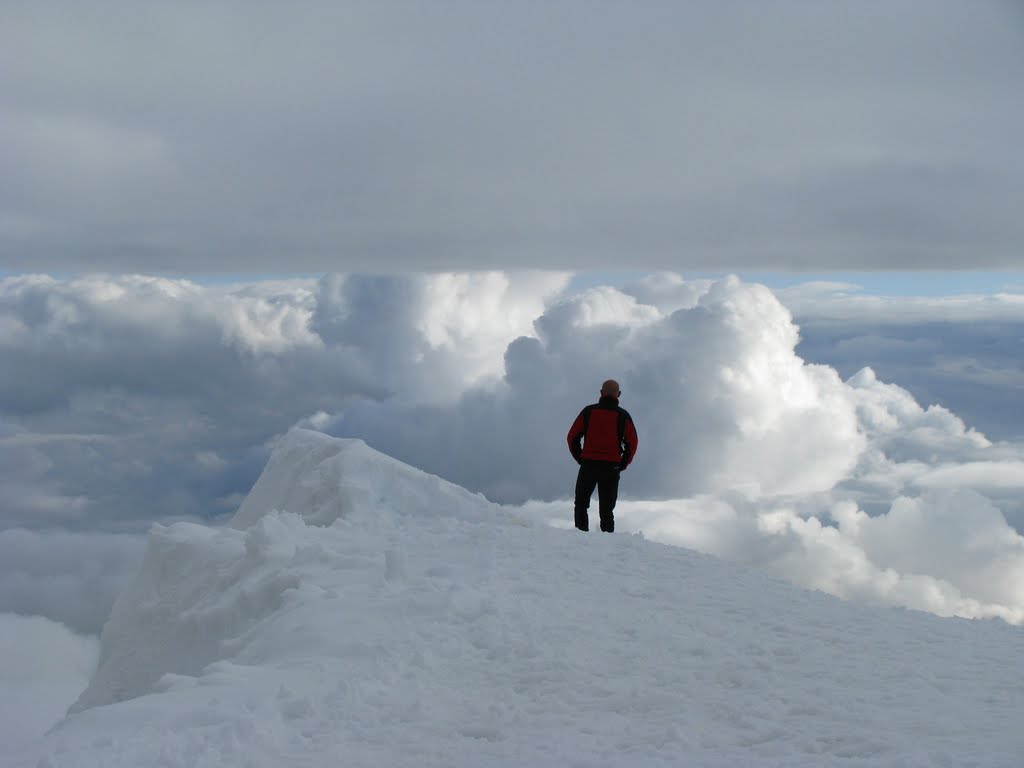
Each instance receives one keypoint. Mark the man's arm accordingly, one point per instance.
(630, 439)
(575, 436)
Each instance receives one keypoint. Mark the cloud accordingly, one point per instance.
(994, 475)
(716, 391)
(843, 302)
(125, 377)
(961, 352)
(950, 553)
(136, 398)
(66, 577)
(385, 137)
(43, 669)
(850, 486)
(127, 399)
(428, 337)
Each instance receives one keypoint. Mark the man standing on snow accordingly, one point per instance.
(609, 443)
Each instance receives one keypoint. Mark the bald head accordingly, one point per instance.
(610, 388)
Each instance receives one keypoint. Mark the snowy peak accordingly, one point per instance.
(201, 590)
(425, 627)
(323, 479)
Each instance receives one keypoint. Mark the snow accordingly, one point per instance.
(359, 612)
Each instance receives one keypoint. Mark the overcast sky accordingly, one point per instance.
(282, 137)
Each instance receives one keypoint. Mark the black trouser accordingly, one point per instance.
(605, 476)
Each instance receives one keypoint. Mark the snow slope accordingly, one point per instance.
(358, 612)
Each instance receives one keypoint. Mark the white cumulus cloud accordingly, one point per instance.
(125, 400)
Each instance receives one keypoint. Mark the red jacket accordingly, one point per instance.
(606, 431)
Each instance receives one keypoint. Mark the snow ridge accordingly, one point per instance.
(324, 478)
(359, 612)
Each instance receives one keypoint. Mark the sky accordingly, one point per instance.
(258, 137)
(791, 230)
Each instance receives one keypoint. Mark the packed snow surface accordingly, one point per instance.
(358, 612)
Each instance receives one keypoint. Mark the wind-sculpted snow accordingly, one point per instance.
(200, 589)
(424, 626)
(323, 478)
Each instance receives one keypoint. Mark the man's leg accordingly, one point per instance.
(608, 494)
(585, 482)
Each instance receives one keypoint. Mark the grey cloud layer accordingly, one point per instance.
(964, 352)
(243, 137)
(135, 398)
(72, 578)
